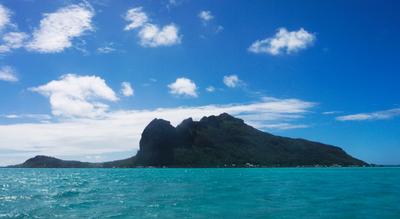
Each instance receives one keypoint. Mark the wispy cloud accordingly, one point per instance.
(173, 3)
(58, 29)
(210, 89)
(284, 126)
(284, 41)
(40, 117)
(12, 40)
(331, 112)
(8, 73)
(109, 48)
(207, 17)
(379, 115)
(5, 15)
(136, 18)
(120, 130)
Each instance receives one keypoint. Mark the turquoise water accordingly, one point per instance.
(200, 193)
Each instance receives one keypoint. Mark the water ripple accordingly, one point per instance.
(200, 193)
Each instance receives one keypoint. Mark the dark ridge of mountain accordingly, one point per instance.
(41, 161)
(157, 145)
(215, 141)
(125, 163)
(218, 141)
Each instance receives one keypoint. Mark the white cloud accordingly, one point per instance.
(4, 16)
(210, 89)
(283, 42)
(120, 131)
(9, 40)
(283, 126)
(205, 16)
(136, 18)
(105, 49)
(11, 116)
(152, 36)
(379, 115)
(12, 40)
(331, 112)
(183, 87)
(126, 89)
(231, 80)
(173, 3)
(58, 29)
(77, 96)
(7, 73)
(41, 117)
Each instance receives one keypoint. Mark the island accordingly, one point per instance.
(214, 141)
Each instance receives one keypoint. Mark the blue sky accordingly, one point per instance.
(81, 79)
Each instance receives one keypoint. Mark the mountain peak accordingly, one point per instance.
(155, 146)
(158, 122)
(185, 123)
(216, 121)
(226, 116)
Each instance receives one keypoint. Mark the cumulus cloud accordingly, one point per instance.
(7, 73)
(284, 41)
(136, 18)
(58, 29)
(120, 131)
(4, 16)
(205, 16)
(77, 96)
(183, 87)
(379, 115)
(231, 80)
(152, 36)
(126, 89)
(12, 40)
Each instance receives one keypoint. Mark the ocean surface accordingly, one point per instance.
(201, 193)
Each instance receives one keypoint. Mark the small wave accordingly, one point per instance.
(67, 194)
